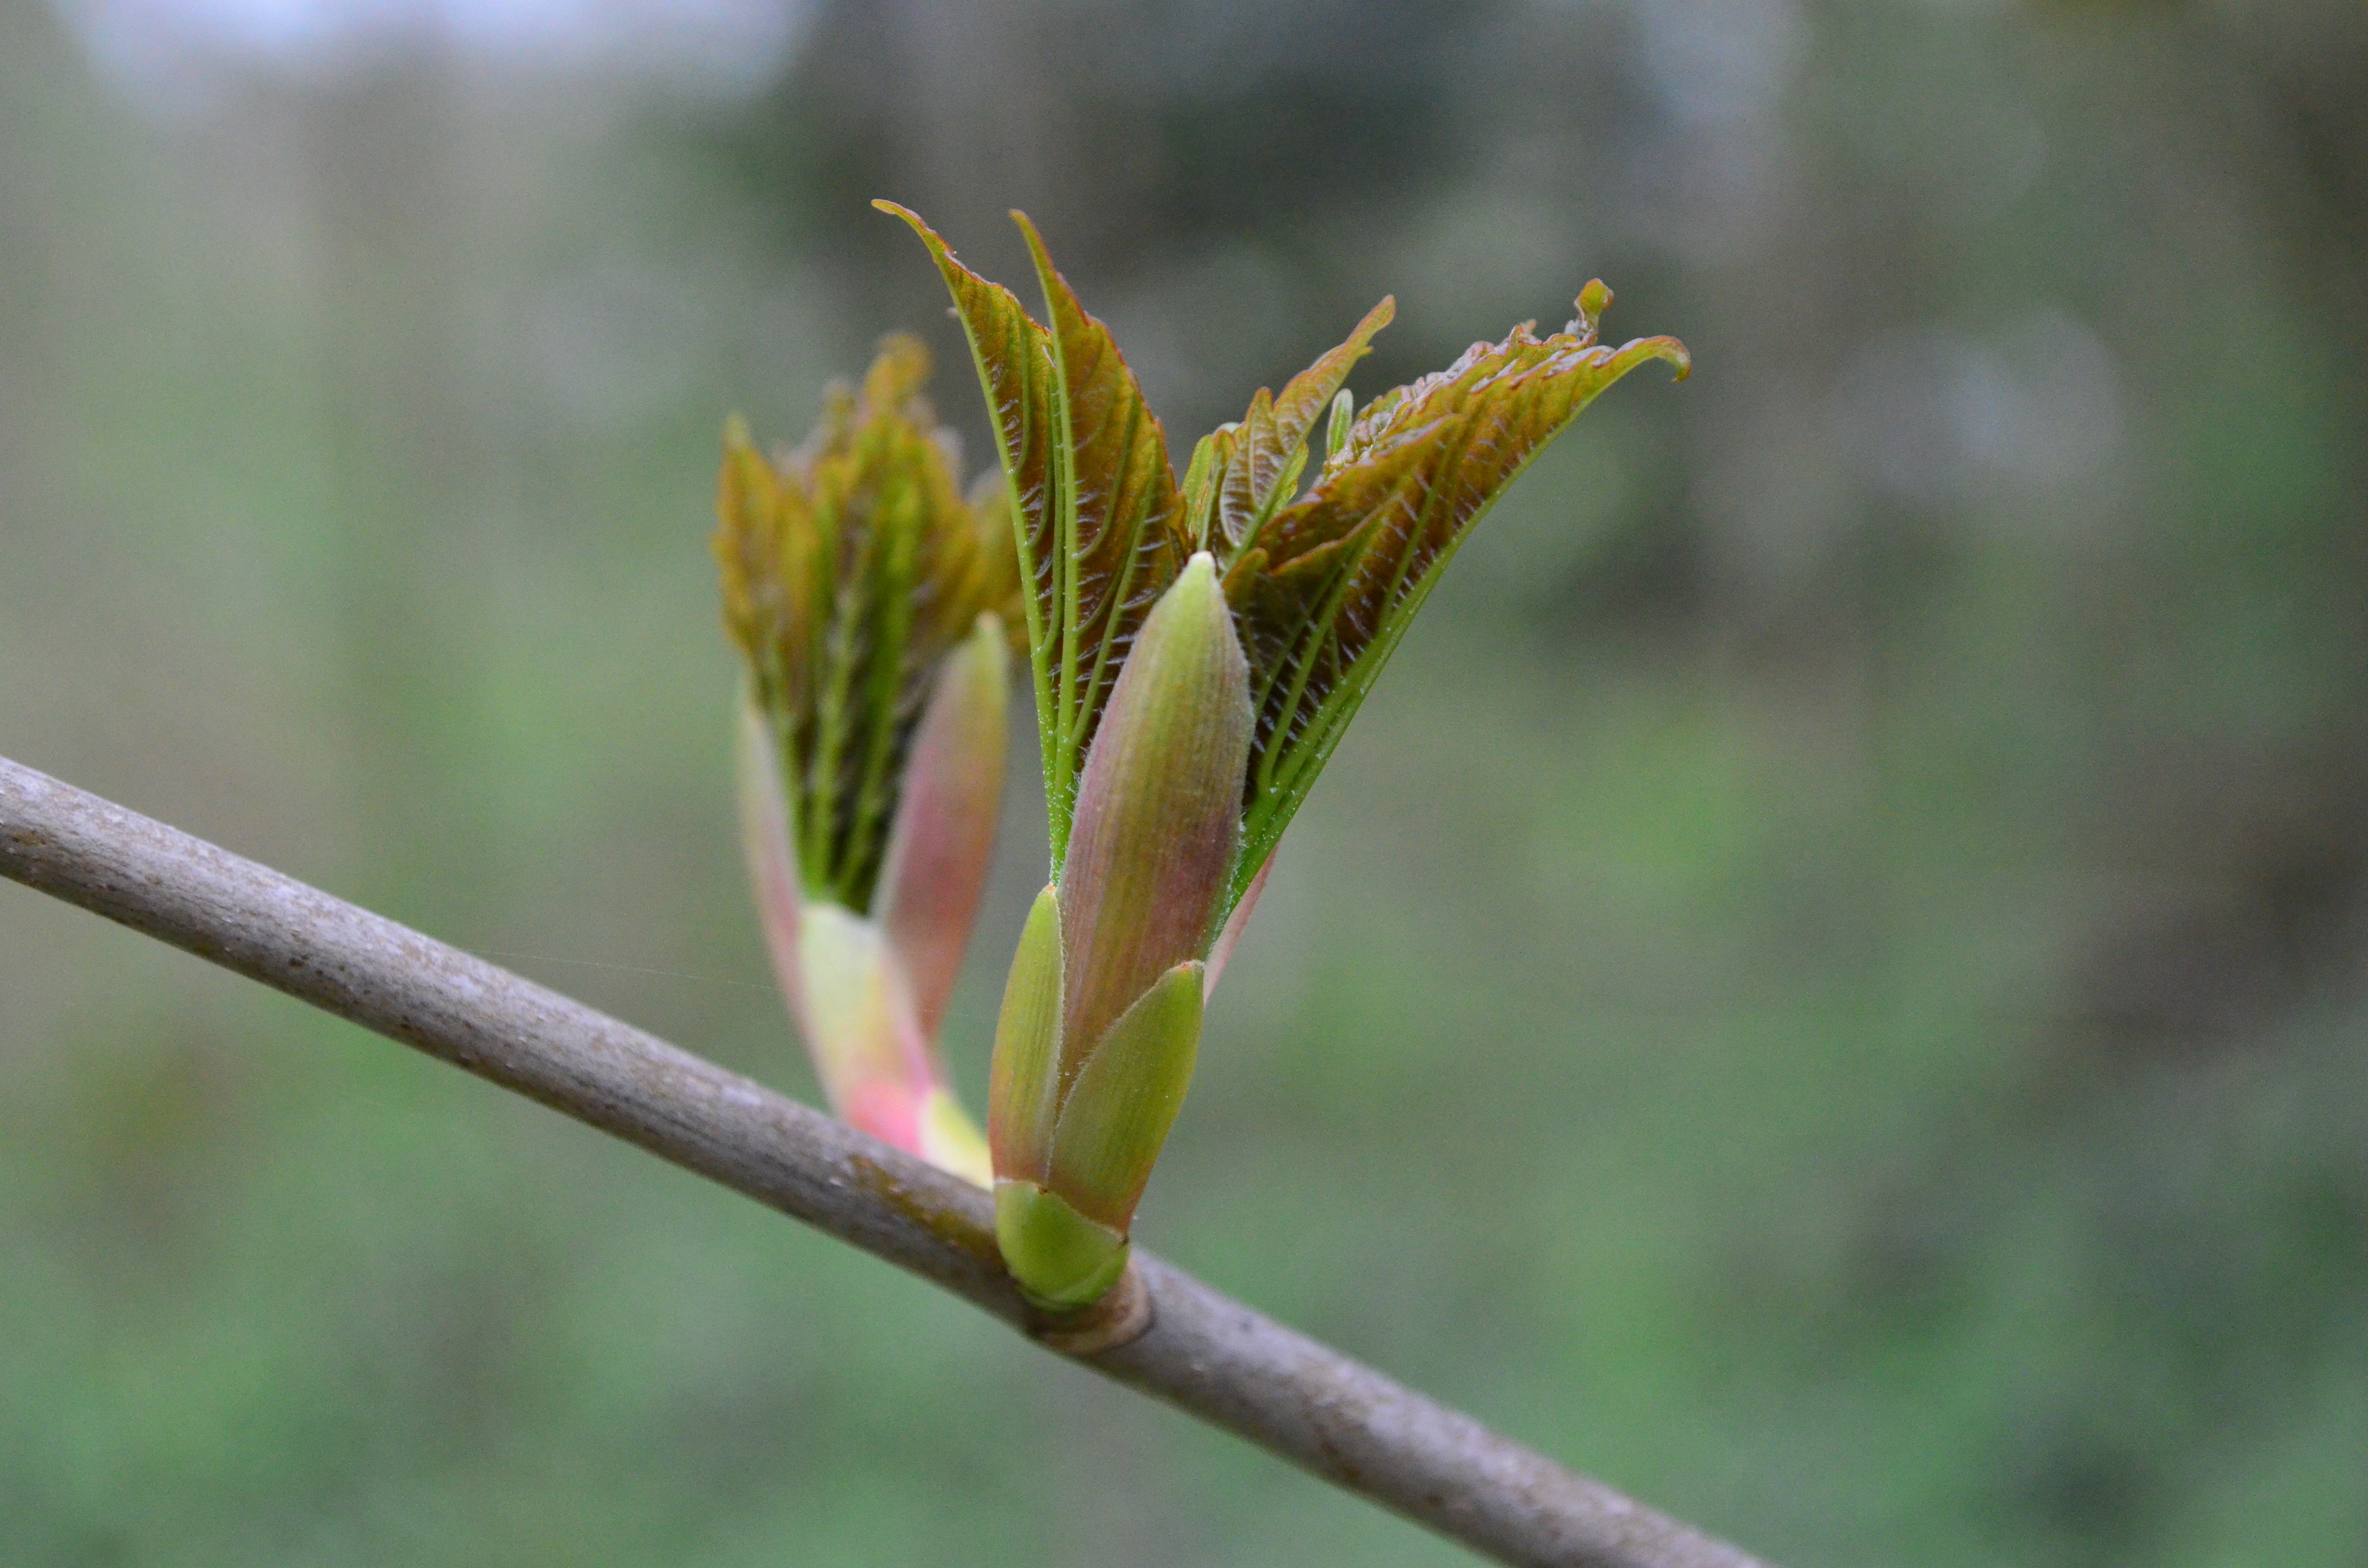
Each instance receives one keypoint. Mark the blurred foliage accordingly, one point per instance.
(1827, 987)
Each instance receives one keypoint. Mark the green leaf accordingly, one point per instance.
(1117, 1112)
(1099, 516)
(1200, 479)
(1323, 593)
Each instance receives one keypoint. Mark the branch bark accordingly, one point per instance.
(1204, 1353)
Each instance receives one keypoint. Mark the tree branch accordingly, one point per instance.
(1204, 1353)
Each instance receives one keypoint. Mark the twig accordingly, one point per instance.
(1204, 1352)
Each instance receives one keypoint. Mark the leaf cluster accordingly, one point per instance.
(1321, 586)
(850, 565)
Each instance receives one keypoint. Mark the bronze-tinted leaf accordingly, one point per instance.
(1100, 520)
(849, 569)
(748, 545)
(1251, 457)
(1336, 577)
(1263, 463)
(1016, 372)
(1120, 523)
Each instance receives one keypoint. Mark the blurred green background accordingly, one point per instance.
(1826, 987)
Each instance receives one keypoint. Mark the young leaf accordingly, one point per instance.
(1263, 466)
(1332, 581)
(867, 597)
(1014, 358)
(1101, 521)
(1252, 468)
(1200, 477)
(850, 570)
(1120, 523)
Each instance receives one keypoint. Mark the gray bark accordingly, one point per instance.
(1203, 1352)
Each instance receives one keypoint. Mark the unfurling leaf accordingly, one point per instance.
(1270, 449)
(850, 569)
(1330, 584)
(1185, 707)
(1099, 519)
(1344, 414)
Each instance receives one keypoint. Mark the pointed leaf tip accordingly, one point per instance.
(1265, 458)
(1095, 505)
(1344, 413)
(1017, 372)
(1596, 298)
